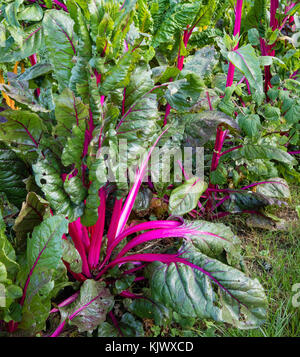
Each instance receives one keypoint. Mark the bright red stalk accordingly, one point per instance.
(180, 60)
(97, 234)
(76, 237)
(236, 31)
(113, 223)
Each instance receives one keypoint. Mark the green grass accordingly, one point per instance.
(274, 258)
(281, 251)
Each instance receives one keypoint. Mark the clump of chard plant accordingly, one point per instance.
(78, 78)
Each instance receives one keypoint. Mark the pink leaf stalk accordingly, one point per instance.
(134, 190)
(97, 233)
(221, 134)
(236, 31)
(113, 223)
(180, 60)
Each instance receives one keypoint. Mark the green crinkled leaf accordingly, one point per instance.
(44, 253)
(22, 94)
(80, 74)
(35, 314)
(164, 73)
(146, 308)
(201, 63)
(256, 17)
(276, 187)
(184, 93)
(292, 115)
(48, 176)
(219, 176)
(176, 19)
(12, 173)
(144, 18)
(107, 330)
(235, 299)
(69, 111)
(94, 302)
(203, 125)
(138, 125)
(185, 197)
(226, 247)
(59, 40)
(129, 326)
(45, 246)
(250, 124)
(72, 152)
(38, 70)
(3, 275)
(22, 131)
(119, 75)
(271, 113)
(75, 189)
(124, 283)
(70, 255)
(242, 200)
(31, 13)
(264, 151)
(248, 63)
(33, 39)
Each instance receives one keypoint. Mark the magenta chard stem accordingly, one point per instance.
(236, 31)
(180, 59)
(221, 134)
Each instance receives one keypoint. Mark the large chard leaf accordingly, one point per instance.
(275, 187)
(79, 76)
(119, 75)
(175, 20)
(71, 115)
(23, 131)
(59, 40)
(91, 307)
(44, 266)
(48, 176)
(201, 63)
(70, 111)
(248, 63)
(191, 292)
(184, 93)
(185, 197)
(264, 151)
(248, 200)
(250, 124)
(33, 72)
(202, 126)
(12, 173)
(20, 92)
(44, 249)
(70, 255)
(215, 240)
(138, 125)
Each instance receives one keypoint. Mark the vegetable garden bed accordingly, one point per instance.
(134, 135)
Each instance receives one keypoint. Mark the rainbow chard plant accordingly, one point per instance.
(149, 74)
(79, 251)
(107, 263)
